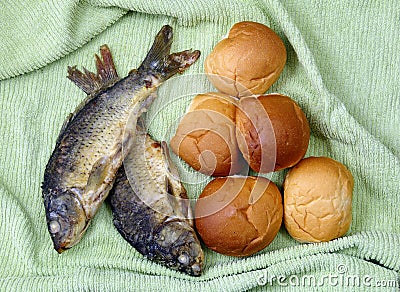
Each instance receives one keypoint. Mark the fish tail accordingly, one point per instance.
(160, 62)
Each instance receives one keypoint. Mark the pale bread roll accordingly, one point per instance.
(205, 137)
(248, 61)
(317, 200)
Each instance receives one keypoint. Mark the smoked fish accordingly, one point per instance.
(151, 209)
(97, 136)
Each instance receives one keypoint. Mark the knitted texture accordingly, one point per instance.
(342, 69)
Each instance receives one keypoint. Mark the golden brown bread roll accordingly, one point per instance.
(239, 216)
(205, 137)
(317, 200)
(248, 61)
(272, 132)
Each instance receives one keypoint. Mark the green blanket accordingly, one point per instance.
(343, 69)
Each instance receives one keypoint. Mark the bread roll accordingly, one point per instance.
(239, 216)
(317, 200)
(272, 132)
(205, 137)
(248, 61)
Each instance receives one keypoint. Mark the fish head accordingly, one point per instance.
(66, 219)
(183, 246)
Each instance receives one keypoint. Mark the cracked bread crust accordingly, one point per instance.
(205, 137)
(248, 61)
(317, 200)
(239, 216)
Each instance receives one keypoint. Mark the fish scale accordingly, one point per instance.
(96, 137)
(151, 209)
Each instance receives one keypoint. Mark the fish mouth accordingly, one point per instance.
(60, 249)
(195, 269)
(63, 246)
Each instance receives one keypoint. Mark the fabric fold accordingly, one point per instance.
(38, 33)
(343, 99)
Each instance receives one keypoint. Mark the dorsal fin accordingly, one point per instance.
(90, 82)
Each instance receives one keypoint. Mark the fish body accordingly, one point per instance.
(151, 209)
(96, 137)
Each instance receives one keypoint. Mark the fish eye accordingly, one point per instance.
(54, 227)
(184, 259)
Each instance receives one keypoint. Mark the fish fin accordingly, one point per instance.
(167, 185)
(105, 66)
(169, 165)
(177, 197)
(159, 60)
(140, 124)
(90, 82)
(174, 200)
(99, 174)
(175, 185)
(159, 50)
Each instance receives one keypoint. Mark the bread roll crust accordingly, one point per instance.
(317, 200)
(205, 137)
(239, 216)
(248, 61)
(272, 132)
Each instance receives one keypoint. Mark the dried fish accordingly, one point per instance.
(95, 138)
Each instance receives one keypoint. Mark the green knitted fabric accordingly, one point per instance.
(343, 70)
